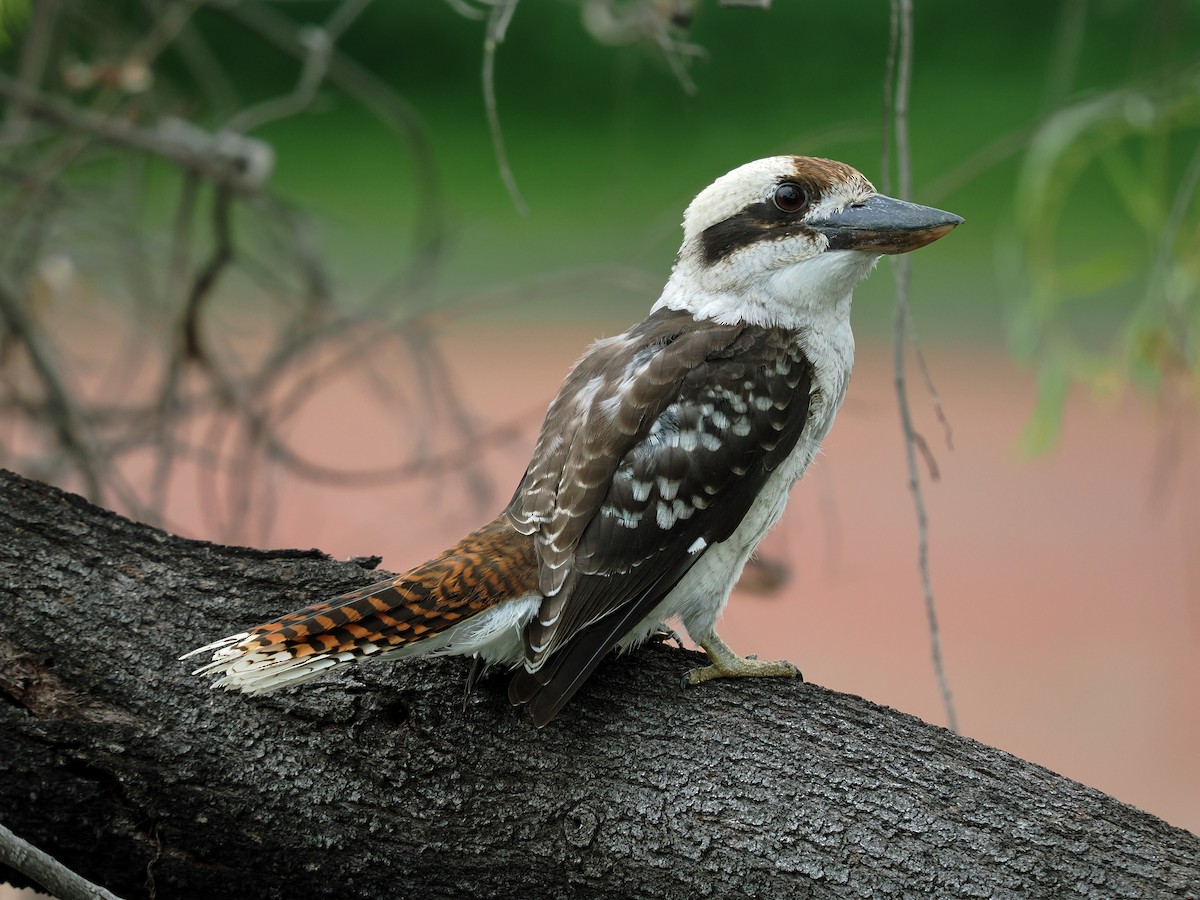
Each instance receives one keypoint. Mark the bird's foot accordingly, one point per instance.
(665, 633)
(727, 664)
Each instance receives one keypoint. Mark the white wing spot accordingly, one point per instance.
(682, 509)
(664, 516)
(697, 545)
(667, 488)
(625, 518)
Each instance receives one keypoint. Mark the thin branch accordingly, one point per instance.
(497, 25)
(317, 44)
(465, 10)
(166, 26)
(207, 277)
(391, 109)
(935, 396)
(922, 447)
(239, 162)
(32, 65)
(896, 118)
(181, 240)
(206, 72)
(19, 854)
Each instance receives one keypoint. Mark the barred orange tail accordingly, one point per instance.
(474, 599)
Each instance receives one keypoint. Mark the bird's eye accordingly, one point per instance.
(790, 198)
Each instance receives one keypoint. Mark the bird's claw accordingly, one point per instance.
(666, 633)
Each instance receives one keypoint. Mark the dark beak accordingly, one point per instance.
(885, 225)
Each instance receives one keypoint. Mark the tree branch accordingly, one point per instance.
(378, 783)
(234, 160)
(896, 89)
(46, 870)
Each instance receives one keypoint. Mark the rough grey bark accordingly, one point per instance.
(377, 783)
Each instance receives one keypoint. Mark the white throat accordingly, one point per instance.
(812, 294)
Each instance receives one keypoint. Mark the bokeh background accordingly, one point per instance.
(1058, 324)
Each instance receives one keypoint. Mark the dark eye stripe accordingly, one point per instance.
(758, 222)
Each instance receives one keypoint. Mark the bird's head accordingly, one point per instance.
(784, 240)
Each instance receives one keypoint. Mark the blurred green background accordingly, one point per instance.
(1065, 133)
(607, 147)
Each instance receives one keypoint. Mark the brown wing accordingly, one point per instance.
(606, 406)
(706, 441)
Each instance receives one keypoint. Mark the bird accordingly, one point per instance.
(666, 456)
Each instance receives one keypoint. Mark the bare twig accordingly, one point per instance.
(497, 25)
(234, 400)
(649, 21)
(165, 28)
(391, 109)
(465, 9)
(922, 446)
(206, 278)
(896, 118)
(935, 396)
(207, 74)
(317, 44)
(181, 240)
(19, 854)
(32, 65)
(239, 162)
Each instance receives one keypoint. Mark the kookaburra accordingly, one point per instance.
(666, 456)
